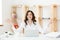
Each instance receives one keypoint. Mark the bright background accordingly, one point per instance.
(5, 12)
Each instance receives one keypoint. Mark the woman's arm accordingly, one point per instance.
(40, 29)
(22, 26)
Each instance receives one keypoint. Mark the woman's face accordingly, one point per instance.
(29, 16)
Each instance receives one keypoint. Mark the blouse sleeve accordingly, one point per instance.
(39, 28)
(21, 26)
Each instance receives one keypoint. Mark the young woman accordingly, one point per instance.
(30, 23)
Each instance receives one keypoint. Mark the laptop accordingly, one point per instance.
(31, 33)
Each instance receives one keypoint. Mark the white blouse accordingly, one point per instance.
(33, 26)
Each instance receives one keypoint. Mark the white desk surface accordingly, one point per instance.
(15, 37)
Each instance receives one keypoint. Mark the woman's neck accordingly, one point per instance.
(30, 22)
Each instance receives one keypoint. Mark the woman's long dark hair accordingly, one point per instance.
(33, 17)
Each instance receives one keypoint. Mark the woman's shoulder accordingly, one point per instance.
(22, 23)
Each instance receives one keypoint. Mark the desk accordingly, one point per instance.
(17, 37)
